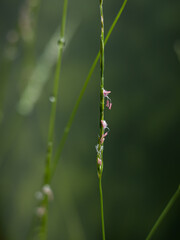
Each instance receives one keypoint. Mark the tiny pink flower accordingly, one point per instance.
(110, 106)
(103, 137)
(99, 161)
(104, 124)
(106, 93)
(108, 101)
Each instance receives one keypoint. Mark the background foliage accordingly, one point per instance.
(141, 171)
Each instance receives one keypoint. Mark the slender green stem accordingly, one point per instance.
(43, 221)
(53, 99)
(102, 210)
(164, 213)
(74, 111)
(54, 96)
(100, 142)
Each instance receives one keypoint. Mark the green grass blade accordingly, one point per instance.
(47, 172)
(164, 213)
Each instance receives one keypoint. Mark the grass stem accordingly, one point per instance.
(102, 210)
(164, 213)
(53, 100)
(100, 145)
(54, 97)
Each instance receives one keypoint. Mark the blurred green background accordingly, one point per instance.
(141, 157)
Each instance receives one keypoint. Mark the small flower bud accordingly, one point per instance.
(110, 106)
(103, 137)
(104, 124)
(106, 93)
(99, 161)
(48, 191)
(40, 211)
(108, 101)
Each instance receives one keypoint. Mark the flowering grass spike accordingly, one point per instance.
(108, 100)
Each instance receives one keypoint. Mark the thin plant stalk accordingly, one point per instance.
(102, 209)
(53, 100)
(74, 111)
(100, 145)
(164, 213)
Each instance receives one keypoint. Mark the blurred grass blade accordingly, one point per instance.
(42, 72)
(43, 232)
(69, 123)
(39, 77)
(164, 213)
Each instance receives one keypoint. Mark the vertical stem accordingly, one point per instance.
(102, 69)
(53, 99)
(100, 143)
(54, 96)
(102, 210)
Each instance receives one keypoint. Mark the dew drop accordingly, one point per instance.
(52, 99)
(61, 41)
